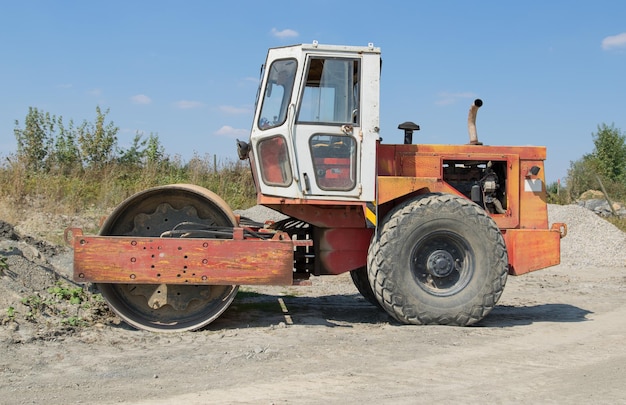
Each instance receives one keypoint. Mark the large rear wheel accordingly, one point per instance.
(362, 284)
(170, 308)
(438, 259)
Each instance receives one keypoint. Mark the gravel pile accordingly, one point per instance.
(590, 240)
(260, 213)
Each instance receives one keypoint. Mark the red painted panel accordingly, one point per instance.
(114, 259)
(343, 249)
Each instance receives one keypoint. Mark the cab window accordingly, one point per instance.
(331, 93)
(274, 160)
(277, 94)
(333, 161)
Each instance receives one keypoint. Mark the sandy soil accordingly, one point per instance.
(556, 336)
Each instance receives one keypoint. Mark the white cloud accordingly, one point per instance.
(188, 104)
(445, 98)
(231, 132)
(229, 109)
(141, 99)
(614, 42)
(95, 92)
(286, 33)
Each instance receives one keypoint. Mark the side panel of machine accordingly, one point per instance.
(508, 182)
(531, 250)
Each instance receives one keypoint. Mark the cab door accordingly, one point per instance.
(327, 125)
(272, 131)
(336, 126)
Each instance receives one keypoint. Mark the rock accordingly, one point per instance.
(601, 207)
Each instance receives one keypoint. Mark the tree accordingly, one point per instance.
(155, 152)
(34, 142)
(607, 162)
(133, 156)
(66, 153)
(142, 152)
(581, 176)
(610, 153)
(97, 141)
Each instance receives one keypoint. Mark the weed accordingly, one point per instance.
(4, 266)
(97, 298)
(74, 321)
(63, 292)
(11, 313)
(35, 304)
(94, 301)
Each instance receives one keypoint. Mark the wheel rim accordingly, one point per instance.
(167, 307)
(442, 263)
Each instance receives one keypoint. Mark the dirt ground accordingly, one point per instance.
(556, 336)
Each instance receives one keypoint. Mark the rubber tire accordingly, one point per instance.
(362, 284)
(417, 227)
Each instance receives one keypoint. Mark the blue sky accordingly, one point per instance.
(549, 72)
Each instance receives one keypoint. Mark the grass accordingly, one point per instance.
(618, 222)
(100, 189)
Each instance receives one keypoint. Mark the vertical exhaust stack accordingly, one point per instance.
(471, 122)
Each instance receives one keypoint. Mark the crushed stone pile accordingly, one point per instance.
(37, 298)
(590, 240)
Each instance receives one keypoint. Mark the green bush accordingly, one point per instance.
(604, 167)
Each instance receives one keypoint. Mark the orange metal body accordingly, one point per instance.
(531, 250)
(408, 170)
(405, 170)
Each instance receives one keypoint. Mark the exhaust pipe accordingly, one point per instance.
(471, 122)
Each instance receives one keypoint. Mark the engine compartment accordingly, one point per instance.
(482, 181)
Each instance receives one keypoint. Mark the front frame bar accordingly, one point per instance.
(153, 260)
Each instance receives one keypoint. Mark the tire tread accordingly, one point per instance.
(380, 262)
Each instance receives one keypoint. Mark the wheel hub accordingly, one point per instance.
(440, 263)
(178, 296)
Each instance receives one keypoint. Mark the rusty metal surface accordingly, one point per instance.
(141, 260)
